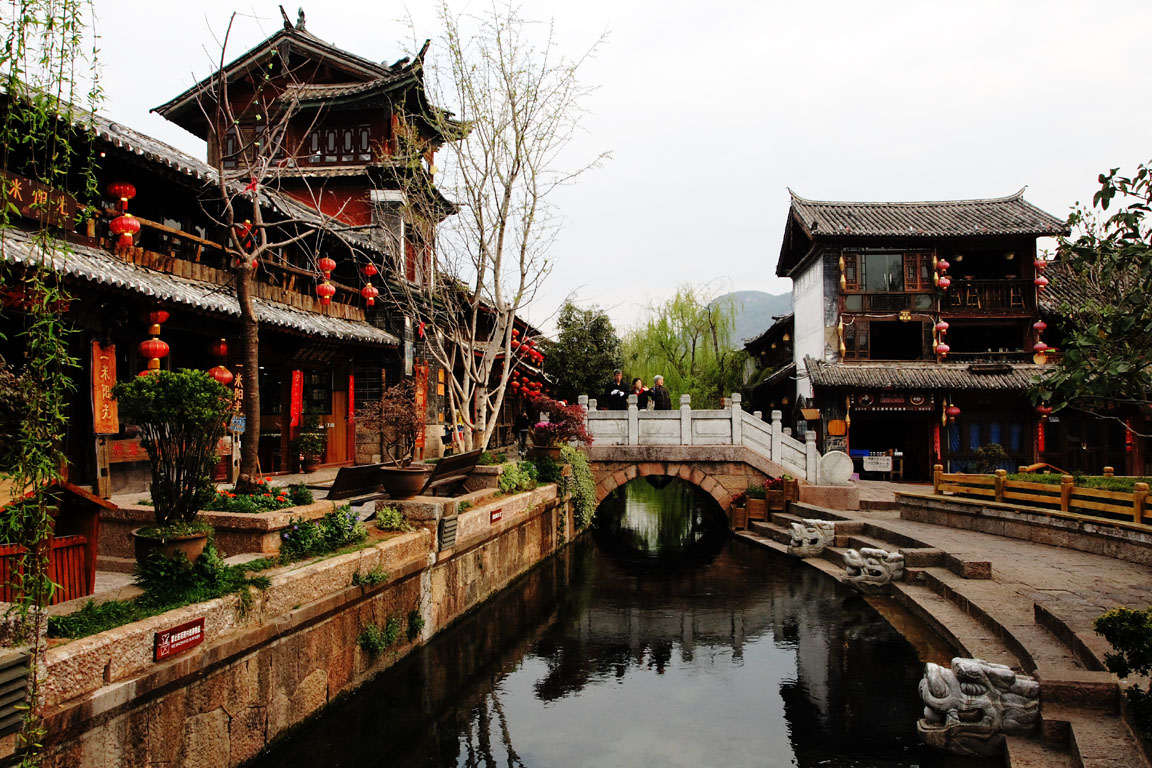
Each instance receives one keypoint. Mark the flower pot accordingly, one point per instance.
(757, 509)
(775, 500)
(546, 452)
(739, 518)
(404, 482)
(308, 466)
(191, 545)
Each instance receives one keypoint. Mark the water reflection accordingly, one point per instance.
(610, 657)
(660, 516)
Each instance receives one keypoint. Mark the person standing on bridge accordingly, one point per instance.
(660, 394)
(615, 397)
(641, 393)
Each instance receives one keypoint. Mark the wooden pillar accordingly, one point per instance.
(937, 471)
(1065, 492)
(1001, 476)
(1140, 499)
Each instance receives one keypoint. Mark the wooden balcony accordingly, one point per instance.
(1008, 296)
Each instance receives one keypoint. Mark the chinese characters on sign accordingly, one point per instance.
(105, 415)
(177, 639)
(34, 200)
(421, 376)
(296, 406)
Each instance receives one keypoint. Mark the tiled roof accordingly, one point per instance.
(1012, 215)
(920, 375)
(307, 92)
(95, 265)
(778, 375)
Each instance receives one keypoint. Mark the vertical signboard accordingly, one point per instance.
(420, 373)
(105, 415)
(296, 406)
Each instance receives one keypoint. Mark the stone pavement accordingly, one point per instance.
(1035, 614)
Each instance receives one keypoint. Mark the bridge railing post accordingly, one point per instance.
(737, 419)
(777, 433)
(685, 419)
(633, 421)
(811, 458)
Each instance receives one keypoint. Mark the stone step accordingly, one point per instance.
(1025, 752)
(878, 504)
(958, 628)
(1095, 739)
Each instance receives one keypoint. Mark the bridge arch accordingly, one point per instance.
(720, 481)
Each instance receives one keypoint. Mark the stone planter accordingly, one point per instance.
(190, 545)
(404, 482)
(757, 509)
(546, 452)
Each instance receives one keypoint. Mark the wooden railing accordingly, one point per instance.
(1008, 295)
(67, 568)
(1066, 497)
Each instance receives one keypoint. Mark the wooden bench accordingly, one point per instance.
(450, 472)
(356, 482)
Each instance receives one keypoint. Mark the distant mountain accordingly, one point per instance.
(754, 312)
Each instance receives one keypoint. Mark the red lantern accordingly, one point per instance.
(942, 265)
(515, 385)
(1041, 282)
(154, 349)
(158, 317)
(125, 226)
(123, 192)
(942, 327)
(369, 292)
(515, 344)
(244, 235)
(219, 348)
(1043, 410)
(326, 266)
(221, 374)
(1040, 264)
(943, 349)
(944, 282)
(1040, 325)
(369, 269)
(515, 332)
(1040, 346)
(325, 291)
(952, 412)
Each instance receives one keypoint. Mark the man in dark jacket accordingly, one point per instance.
(615, 396)
(660, 395)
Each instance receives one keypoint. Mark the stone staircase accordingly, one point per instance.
(955, 593)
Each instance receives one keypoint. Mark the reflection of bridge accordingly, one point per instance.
(721, 451)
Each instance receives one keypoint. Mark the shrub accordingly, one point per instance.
(583, 488)
(565, 423)
(374, 639)
(305, 538)
(1130, 633)
(370, 579)
(396, 419)
(488, 458)
(181, 415)
(264, 497)
(756, 491)
(390, 518)
(415, 624)
(549, 471)
(520, 477)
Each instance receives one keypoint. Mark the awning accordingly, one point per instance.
(922, 375)
(94, 265)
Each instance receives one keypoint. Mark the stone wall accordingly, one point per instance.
(261, 672)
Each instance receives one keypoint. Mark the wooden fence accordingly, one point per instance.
(67, 568)
(1065, 497)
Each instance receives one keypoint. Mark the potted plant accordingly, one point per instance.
(181, 416)
(310, 444)
(560, 425)
(757, 507)
(779, 490)
(398, 422)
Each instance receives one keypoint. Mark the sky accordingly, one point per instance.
(711, 111)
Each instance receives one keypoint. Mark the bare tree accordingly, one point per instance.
(516, 102)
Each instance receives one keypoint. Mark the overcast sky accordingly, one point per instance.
(712, 109)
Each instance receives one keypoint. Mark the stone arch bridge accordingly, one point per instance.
(721, 451)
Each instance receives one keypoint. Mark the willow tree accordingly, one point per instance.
(46, 47)
(515, 100)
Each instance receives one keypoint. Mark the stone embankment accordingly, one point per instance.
(1010, 600)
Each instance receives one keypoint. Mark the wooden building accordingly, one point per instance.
(918, 330)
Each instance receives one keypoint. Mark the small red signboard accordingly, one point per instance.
(496, 515)
(179, 638)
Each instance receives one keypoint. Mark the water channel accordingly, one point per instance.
(659, 640)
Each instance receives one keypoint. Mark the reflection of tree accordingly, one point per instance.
(674, 517)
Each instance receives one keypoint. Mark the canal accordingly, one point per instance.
(658, 640)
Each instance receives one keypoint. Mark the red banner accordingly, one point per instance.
(351, 398)
(105, 414)
(296, 407)
(177, 639)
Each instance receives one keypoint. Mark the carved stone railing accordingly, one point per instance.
(723, 426)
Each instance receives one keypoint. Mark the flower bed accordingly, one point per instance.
(267, 498)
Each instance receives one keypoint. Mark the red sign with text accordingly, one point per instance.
(178, 639)
(105, 414)
(296, 406)
(496, 516)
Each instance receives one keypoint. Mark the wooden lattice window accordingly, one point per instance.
(918, 272)
(851, 272)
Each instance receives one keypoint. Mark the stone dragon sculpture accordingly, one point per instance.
(970, 708)
(871, 570)
(809, 537)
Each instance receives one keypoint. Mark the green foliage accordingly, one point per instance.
(370, 579)
(181, 415)
(463, 506)
(520, 477)
(582, 487)
(687, 339)
(585, 352)
(311, 444)
(264, 497)
(390, 518)
(375, 639)
(755, 491)
(488, 458)
(990, 457)
(307, 538)
(549, 471)
(1130, 634)
(415, 624)
(1108, 330)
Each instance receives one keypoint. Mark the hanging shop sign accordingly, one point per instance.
(421, 376)
(105, 413)
(296, 404)
(38, 201)
(178, 639)
(892, 401)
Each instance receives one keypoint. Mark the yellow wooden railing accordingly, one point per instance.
(1046, 497)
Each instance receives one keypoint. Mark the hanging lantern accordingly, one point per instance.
(515, 344)
(326, 265)
(153, 349)
(125, 226)
(944, 282)
(1040, 264)
(942, 265)
(952, 411)
(514, 385)
(219, 349)
(943, 349)
(369, 292)
(1043, 410)
(1039, 325)
(1041, 282)
(122, 191)
(1040, 347)
(325, 291)
(515, 332)
(156, 318)
(369, 269)
(942, 327)
(221, 374)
